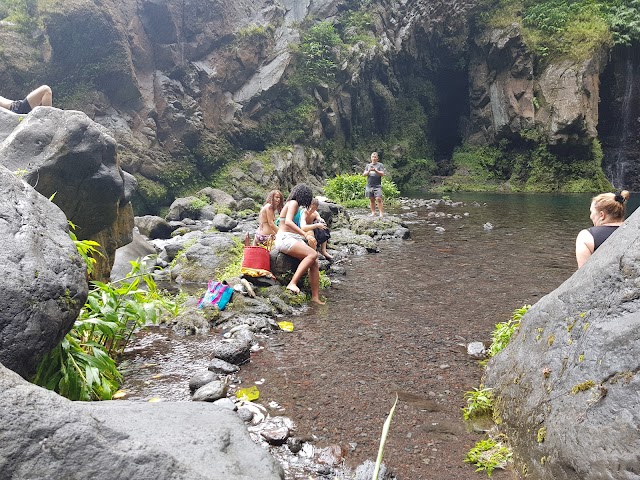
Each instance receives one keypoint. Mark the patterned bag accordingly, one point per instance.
(218, 294)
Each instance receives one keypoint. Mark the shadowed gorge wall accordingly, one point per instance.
(619, 126)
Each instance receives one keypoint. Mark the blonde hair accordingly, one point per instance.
(612, 204)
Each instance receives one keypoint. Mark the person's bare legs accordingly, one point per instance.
(308, 262)
(314, 281)
(323, 251)
(41, 96)
(372, 205)
(380, 209)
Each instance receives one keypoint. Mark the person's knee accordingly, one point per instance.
(313, 255)
(46, 89)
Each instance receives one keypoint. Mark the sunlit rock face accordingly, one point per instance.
(506, 98)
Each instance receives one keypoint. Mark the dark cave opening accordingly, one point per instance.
(452, 93)
(445, 70)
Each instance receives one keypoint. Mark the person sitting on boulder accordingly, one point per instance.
(607, 213)
(267, 228)
(313, 222)
(41, 96)
(290, 240)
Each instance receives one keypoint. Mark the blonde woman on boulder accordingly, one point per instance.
(607, 214)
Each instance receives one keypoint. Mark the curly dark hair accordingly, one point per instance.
(302, 194)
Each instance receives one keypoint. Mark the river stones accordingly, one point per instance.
(220, 366)
(236, 352)
(200, 379)
(210, 392)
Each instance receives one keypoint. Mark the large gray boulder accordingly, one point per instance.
(66, 156)
(43, 280)
(567, 385)
(114, 440)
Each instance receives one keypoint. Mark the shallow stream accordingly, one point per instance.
(396, 324)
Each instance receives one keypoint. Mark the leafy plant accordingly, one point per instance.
(83, 366)
(624, 19)
(86, 248)
(479, 402)
(317, 61)
(488, 455)
(348, 189)
(504, 330)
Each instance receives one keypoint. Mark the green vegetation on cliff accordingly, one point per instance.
(527, 167)
(567, 29)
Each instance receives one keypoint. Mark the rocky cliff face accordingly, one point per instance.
(194, 90)
(507, 98)
(619, 127)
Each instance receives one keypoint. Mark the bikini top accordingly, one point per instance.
(296, 218)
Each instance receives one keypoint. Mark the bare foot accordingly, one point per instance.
(382, 214)
(327, 256)
(318, 301)
(292, 287)
(372, 214)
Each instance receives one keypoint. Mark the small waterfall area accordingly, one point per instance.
(619, 119)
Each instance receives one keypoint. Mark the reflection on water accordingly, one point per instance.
(398, 322)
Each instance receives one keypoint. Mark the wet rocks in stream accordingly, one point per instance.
(195, 254)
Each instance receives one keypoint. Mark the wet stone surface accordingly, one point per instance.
(396, 324)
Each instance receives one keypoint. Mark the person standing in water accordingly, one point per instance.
(374, 172)
(607, 214)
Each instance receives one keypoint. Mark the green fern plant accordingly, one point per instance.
(83, 365)
(505, 330)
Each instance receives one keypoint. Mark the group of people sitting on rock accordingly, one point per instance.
(297, 231)
(41, 96)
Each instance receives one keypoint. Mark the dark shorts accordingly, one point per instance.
(373, 192)
(20, 107)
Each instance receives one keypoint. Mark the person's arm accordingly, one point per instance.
(584, 247)
(366, 171)
(379, 170)
(309, 226)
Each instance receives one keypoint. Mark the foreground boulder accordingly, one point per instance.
(43, 280)
(69, 158)
(567, 386)
(122, 440)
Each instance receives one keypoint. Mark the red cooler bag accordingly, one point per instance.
(256, 262)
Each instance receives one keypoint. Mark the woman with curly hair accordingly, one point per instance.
(290, 240)
(607, 214)
(267, 229)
